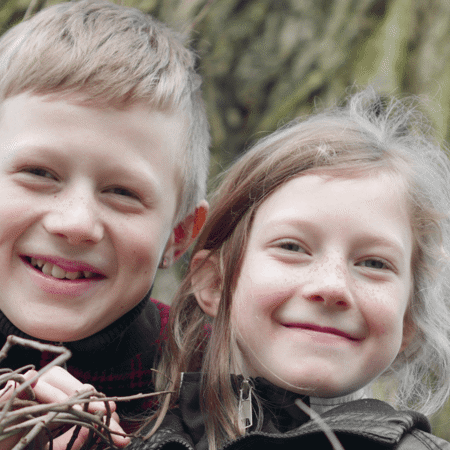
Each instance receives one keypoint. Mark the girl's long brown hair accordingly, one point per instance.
(367, 136)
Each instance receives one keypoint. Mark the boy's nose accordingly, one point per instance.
(74, 218)
(329, 283)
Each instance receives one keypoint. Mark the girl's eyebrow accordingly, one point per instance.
(368, 239)
(384, 241)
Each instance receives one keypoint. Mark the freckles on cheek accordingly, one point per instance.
(386, 322)
(139, 262)
(143, 262)
(270, 282)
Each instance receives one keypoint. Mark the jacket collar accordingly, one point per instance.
(365, 419)
(280, 412)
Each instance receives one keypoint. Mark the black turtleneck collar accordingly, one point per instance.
(95, 343)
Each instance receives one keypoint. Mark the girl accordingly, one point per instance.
(323, 265)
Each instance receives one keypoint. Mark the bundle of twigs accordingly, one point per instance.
(39, 424)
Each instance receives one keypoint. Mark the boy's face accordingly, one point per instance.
(321, 297)
(88, 201)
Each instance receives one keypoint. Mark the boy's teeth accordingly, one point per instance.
(47, 268)
(57, 272)
(72, 275)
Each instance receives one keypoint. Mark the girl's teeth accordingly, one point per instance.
(88, 274)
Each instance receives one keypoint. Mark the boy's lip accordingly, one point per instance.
(66, 264)
(321, 329)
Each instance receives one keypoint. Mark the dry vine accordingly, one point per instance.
(34, 421)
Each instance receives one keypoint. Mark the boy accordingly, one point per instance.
(103, 166)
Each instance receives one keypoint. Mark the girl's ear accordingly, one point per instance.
(409, 331)
(207, 281)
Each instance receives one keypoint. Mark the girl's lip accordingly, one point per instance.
(67, 265)
(320, 329)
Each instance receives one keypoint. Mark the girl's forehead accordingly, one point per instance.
(347, 177)
(374, 204)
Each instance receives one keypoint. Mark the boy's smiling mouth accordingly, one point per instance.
(54, 270)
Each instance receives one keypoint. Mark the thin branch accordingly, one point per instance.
(30, 419)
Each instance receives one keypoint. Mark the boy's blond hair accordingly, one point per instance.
(111, 55)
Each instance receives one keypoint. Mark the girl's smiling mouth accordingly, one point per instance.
(320, 329)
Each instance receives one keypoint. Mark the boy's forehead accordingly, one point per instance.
(157, 136)
(139, 115)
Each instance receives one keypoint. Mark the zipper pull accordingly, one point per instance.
(245, 405)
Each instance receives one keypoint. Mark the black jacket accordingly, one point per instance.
(362, 424)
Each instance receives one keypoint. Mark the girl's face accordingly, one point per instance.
(320, 302)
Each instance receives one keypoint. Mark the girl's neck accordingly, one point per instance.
(321, 405)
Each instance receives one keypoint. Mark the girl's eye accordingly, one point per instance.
(374, 264)
(292, 247)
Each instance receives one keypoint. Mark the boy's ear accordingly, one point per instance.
(184, 234)
(409, 331)
(206, 281)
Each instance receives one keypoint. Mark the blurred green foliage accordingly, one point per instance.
(264, 62)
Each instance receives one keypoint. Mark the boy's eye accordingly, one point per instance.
(39, 172)
(123, 192)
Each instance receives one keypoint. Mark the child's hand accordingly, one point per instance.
(57, 386)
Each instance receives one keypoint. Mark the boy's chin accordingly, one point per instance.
(56, 335)
(56, 332)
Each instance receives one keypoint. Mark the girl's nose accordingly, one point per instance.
(329, 283)
(74, 217)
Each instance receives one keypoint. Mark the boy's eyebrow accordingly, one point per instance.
(134, 174)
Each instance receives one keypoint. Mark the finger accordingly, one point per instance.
(28, 393)
(64, 381)
(61, 442)
(120, 441)
(51, 389)
(29, 374)
(46, 393)
(13, 385)
(6, 392)
(95, 406)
